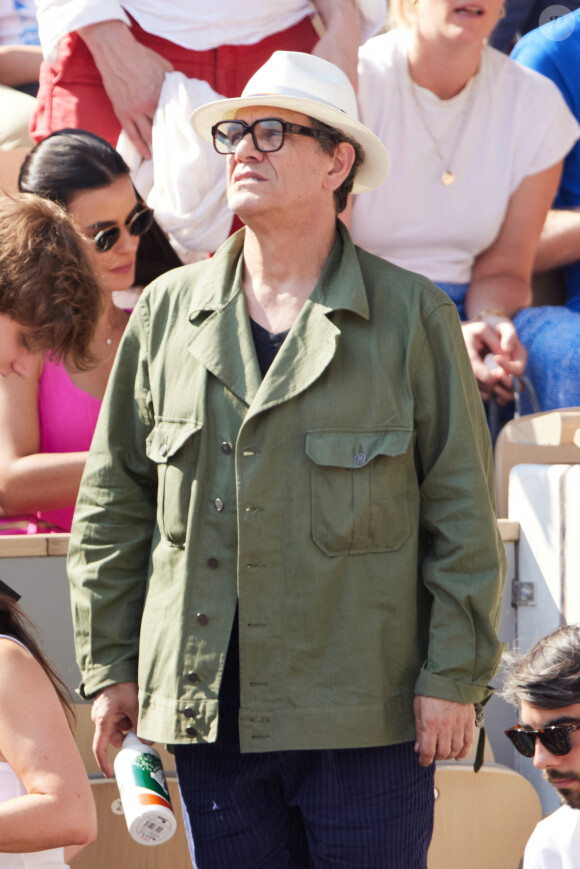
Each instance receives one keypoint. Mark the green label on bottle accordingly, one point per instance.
(148, 773)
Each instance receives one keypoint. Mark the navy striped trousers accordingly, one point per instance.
(363, 808)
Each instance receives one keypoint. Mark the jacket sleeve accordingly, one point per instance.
(114, 522)
(463, 561)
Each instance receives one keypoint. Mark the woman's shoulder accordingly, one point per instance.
(14, 640)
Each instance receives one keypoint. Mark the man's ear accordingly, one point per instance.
(342, 161)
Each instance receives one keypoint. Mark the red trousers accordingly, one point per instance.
(71, 92)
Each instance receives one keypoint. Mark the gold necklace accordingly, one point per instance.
(447, 176)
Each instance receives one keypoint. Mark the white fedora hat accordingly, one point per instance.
(307, 84)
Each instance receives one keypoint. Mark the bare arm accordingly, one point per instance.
(19, 64)
(342, 35)
(132, 77)
(30, 480)
(114, 712)
(444, 729)
(58, 809)
(501, 282)
(560, 240)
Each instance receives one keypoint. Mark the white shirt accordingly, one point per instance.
(195, 24)
(506, 124)
(555, 843)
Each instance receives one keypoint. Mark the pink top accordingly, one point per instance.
(67, 418)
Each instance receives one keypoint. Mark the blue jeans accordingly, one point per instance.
(366, 808)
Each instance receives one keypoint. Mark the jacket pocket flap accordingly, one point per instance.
(168, 437)
(342, 449)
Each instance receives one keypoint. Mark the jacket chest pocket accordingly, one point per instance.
(174, 447)
(358, 490)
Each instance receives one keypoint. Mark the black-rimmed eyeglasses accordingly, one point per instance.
(137, 224)
(267, 134)
(555, 738)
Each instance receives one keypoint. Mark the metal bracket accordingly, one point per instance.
(523, 594)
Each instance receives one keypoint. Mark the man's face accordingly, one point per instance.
(562, 771)
(290, 181)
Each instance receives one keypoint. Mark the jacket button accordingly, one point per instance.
(226, 448)
(193, 677)
(360, 459)
(191, 731)
(189, 712)
(202, 619)
(163, 450)
(218, 504)
(212, 563)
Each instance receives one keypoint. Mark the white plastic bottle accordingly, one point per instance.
(144, 792)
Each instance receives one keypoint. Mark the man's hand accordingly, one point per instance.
(444, 729)
(495, 339)
(115, 711)
(132, 77)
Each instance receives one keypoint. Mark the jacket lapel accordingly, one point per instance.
(222, 338)
(221, 335)
(311, 343)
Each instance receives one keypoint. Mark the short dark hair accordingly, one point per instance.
(328, 143)
(47, 283)
(548, 675)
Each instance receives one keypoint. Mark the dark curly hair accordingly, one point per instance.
(47, 283)
(548, 675)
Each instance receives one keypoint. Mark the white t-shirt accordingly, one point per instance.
(195, 24)
(555, 843)
(10, 788)
(507, 123)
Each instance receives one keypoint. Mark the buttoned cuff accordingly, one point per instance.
(103, 677)
(432, 685)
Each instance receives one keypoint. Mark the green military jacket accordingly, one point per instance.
(343, 503)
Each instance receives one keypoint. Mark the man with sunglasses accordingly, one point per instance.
(545, 684)
(285, 560)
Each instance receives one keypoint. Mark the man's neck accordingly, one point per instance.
(281, 269)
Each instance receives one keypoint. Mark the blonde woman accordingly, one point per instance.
(476, 145)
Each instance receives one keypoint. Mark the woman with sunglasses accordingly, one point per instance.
(47, 420)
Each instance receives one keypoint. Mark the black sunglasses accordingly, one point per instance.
(267, 134)
(138, 224)
(556, 738)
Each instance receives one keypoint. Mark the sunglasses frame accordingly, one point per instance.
(108, 238)
(517, 733)
(286, 126)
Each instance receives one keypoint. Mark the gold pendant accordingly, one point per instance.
(448, 178)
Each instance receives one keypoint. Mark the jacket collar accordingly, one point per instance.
(222, 339)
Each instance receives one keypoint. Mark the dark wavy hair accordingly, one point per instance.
(69, 162)
(15, 623)
(47, 283)
(548, 675)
